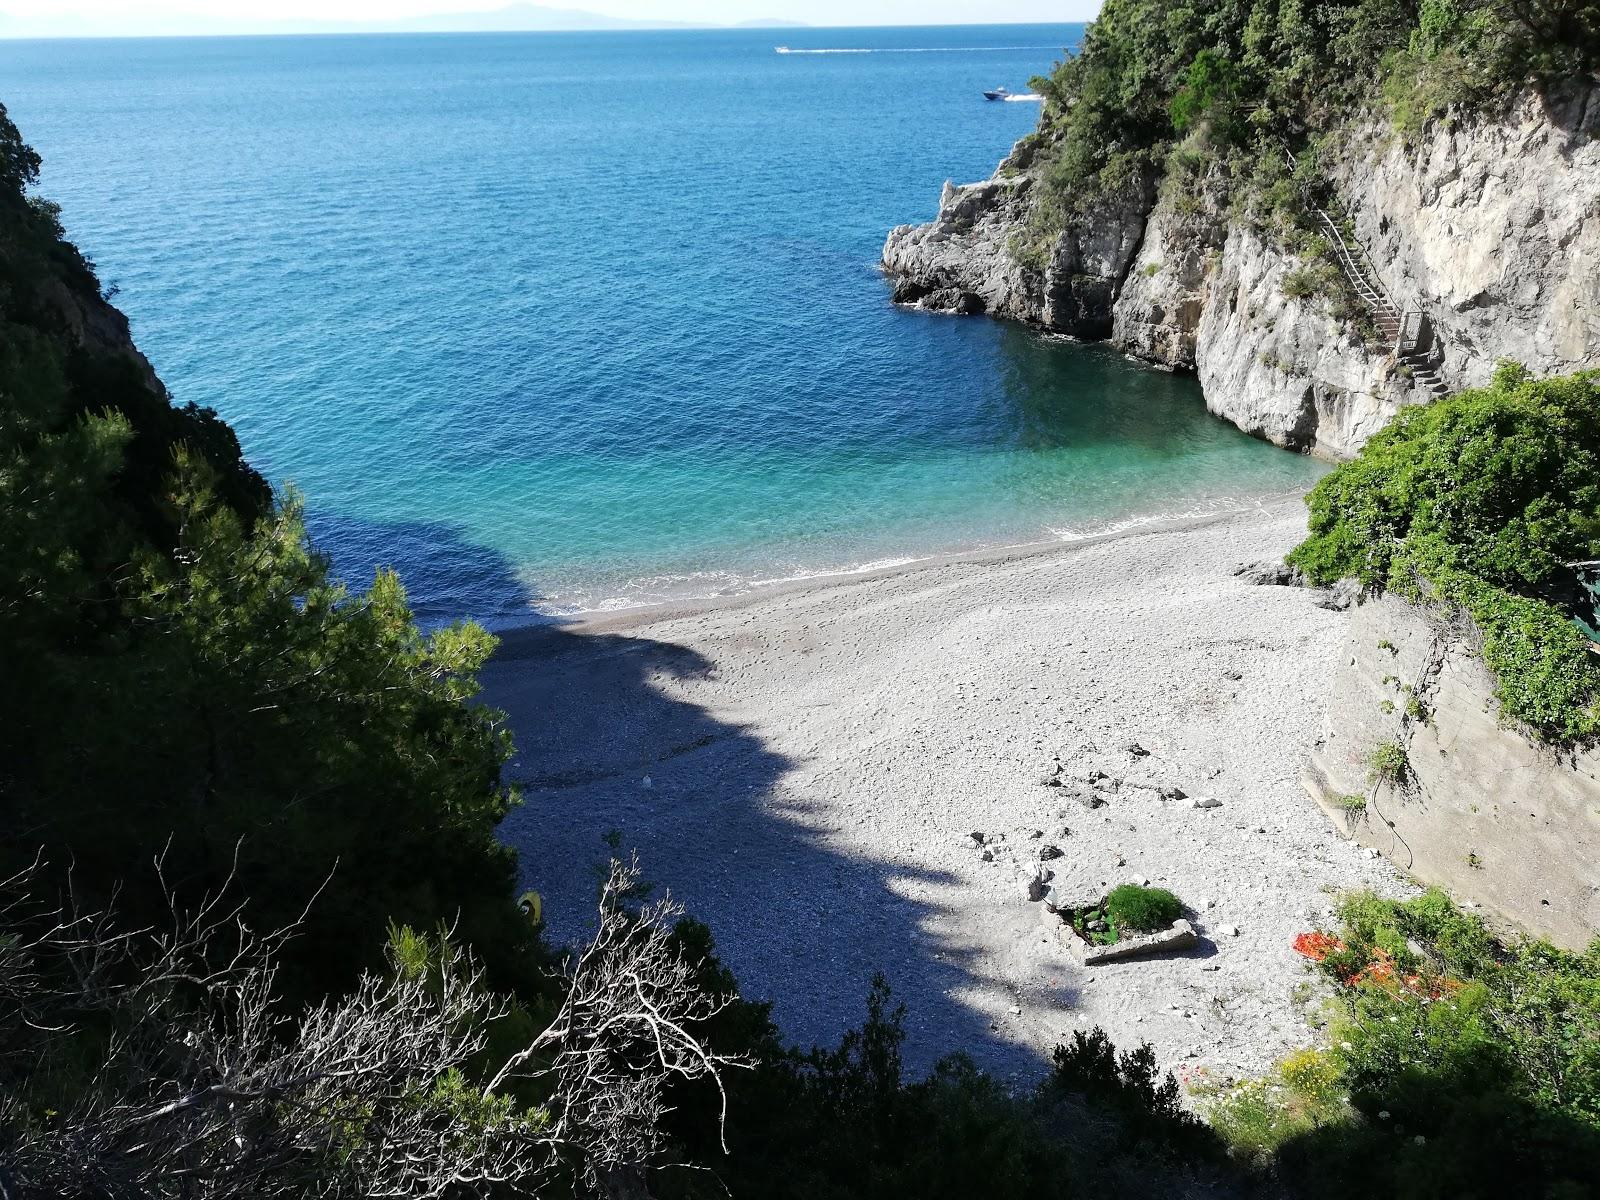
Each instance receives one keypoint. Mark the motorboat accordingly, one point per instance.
(997, 94)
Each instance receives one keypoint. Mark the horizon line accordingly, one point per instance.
(668, 27)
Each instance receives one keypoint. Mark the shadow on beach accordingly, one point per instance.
(719, 819)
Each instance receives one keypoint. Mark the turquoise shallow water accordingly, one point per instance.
(573, 321)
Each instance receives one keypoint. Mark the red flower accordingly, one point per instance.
(1316, 945)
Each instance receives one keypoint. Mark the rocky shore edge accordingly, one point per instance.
(1487, 226)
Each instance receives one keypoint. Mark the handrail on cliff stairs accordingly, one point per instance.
(1403, 327)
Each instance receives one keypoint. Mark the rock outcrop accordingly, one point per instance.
(1285, 369)
(1489, 226)
(1165, 297)
(1492, 228)
(1481, 810)
(969, 260)
(72, 302)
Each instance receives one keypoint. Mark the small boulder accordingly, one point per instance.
(1036, 884)
(1342, 596)
(1269, 574)
(1049, 852)
(1069, 897)
(1206, 802)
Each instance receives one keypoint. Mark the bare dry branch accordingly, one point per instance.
(205, 1089)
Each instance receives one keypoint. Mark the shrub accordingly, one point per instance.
(1128, 1088)
(1257, 1117)
(851, 1123)
(1134, 909)
(1476, 504)
(1299, 284)
(1388, 765)
(1472, 1067)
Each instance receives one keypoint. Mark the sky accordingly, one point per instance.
(116, 15)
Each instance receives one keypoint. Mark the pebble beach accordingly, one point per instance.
(804, 768)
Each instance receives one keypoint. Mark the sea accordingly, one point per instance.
(572, 322)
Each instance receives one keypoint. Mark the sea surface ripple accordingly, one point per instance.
(562, 322)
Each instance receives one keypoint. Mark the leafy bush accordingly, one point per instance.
(1478, 503)
(1302, 283)
(1472, 1067)
(1258, 1117)
(1134, 909)
(1146, 1104)
(1209, 92)
(1388, 764)
(850, 1122)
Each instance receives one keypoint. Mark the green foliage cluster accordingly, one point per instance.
(1238, 79)
(1316, 279)
(1479, 503)
(1134, 909)
(1477, 1076)
(186, 681)
(1388, 764)
(851, 1121)
(1301, 1095)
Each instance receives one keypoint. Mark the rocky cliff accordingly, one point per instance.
(968, 260)
(1490, 227)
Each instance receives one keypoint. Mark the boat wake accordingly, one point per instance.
(1028, 98)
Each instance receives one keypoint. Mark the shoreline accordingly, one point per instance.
(513, 637)
(801, 767)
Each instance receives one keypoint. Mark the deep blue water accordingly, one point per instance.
(577, 320)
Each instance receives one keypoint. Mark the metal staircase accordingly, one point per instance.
(1404, 329)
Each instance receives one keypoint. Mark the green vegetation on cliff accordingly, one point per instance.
(1479, 503)
(185, 680)
(1226, 85)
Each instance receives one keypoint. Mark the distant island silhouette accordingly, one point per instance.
(513, 18)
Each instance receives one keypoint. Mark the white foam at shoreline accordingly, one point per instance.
(692, 587)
